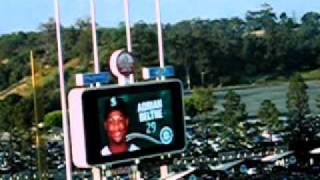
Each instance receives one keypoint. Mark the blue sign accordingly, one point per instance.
(155, 72)
(92, 78)
(168, 71)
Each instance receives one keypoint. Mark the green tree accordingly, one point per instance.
(189, 106)
(202, 100)
(180, 48)
(261, 19)
(297, 99)
(83, 47)
(234, 109)
(46, 38)
(53, 119)
(269, 115)
(234, 119)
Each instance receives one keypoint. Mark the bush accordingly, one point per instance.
(53, 119)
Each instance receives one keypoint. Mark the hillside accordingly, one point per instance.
(43, 77)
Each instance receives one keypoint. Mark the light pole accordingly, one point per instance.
(128, 27)
(128, 34)
(66, 131)
(94, 36)
(160, 38)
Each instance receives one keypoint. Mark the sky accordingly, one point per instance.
(27, 15)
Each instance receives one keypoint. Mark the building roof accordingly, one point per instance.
(275, 157)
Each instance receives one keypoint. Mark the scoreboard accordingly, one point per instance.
(115, 124)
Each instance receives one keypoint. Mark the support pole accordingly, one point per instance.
(94, 36)
(164, 167)
(164, 170)
(96, 172)
(66, 133)
(160, 38)
(129, 79)
(128, 27)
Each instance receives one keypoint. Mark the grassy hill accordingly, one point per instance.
(43, 76)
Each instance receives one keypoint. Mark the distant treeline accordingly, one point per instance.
(225, 51)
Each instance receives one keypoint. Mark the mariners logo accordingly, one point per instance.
(166, 135)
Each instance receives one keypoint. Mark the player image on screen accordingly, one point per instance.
(116, 124)
(116, 129)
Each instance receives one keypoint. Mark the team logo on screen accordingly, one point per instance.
(166, 135)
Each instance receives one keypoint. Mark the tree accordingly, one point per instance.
(269, 115)
(53, 119)
(234, 117)
(83, 47)
(261, 19)
(200, 106)
(297, 99)
(180, 48)
(46, 45)
(234, 109)
(202, 100)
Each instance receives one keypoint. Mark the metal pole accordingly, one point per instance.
(128, 29)
(160, 39)
(163, 168)
(94, 36)
(130, 79)
(95, 170)
(63, 94)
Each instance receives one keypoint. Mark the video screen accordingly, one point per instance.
(132, 122)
